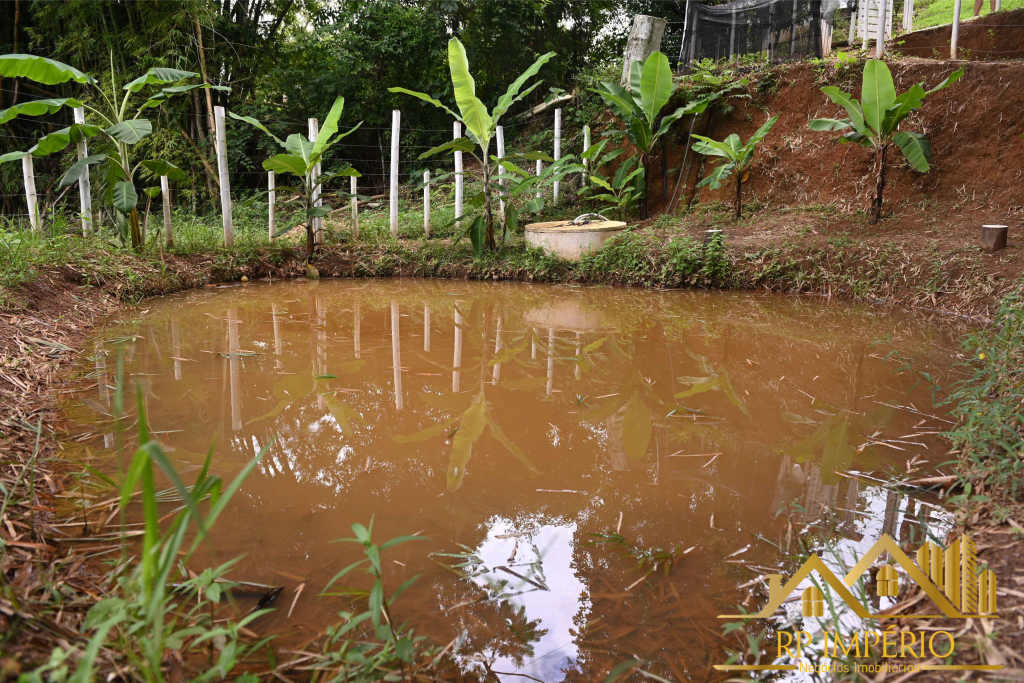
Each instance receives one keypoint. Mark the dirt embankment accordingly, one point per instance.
(992, 36)
(975, 129)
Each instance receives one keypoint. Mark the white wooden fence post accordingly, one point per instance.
(396, 119)
(539, 168)
(586, 141)
(459, 187)
(792, 30)
(866, 29)
(355, 209)
(883, 10)
(29, 177)
(558, 146)
(165, 196)
(84, 186)
(500, 134)
(271, 203)
(318, 223)
(426, 204)
(955, 37)
(222, 171)
(853, 29)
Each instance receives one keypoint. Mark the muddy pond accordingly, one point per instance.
(554, 441)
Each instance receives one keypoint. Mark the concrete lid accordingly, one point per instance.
(567, 226)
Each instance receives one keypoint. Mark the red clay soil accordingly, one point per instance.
(992, 36)
(975, 129)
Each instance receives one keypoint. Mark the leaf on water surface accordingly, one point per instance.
(440, 429)
(287, 391)
(636, 428)
(515, 450)
(344, 415)
(471, 426)
(838, 453)
(799, 419)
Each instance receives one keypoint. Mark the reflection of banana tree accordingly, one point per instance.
(293, 388)
(713, 380)
(835, 437)
(627, 409)
(473, 416)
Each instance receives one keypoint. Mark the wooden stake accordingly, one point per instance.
(165, 196)
(29, 177)
(539, 168)
(222, 172)
(883, 10)
(459, 185)
(318, 223)
(84, 186)
(271, 203)
(396, 119)
(355, 209)
(426, 204)
(558, 146)
(955, 37)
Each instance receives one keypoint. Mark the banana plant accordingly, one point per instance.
(652, 87)
(122, 126)
(480, 125)
(874, 124)
(302, 159)
(620, 189)
(738, 157)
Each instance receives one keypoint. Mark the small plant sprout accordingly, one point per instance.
(301, 160)
(874, 124)
(738, 157)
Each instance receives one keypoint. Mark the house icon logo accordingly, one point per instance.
(950, 577)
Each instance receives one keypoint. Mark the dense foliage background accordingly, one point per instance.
(286, 60)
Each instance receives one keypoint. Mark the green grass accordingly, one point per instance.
(990, 436)
(939, 12)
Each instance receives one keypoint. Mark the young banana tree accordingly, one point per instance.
(301, 158)
(121, 125)
(738, 157)
(874, 124)
(480, 126)
(652, 87)
(619, 189)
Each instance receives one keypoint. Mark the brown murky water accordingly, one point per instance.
(509, 422)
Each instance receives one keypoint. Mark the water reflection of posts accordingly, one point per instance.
(277, 336)
(426, 327)
(101, 384)
(551, 361)
(355, 331)
(396, 354)
(176, 348)
(533, 344)
(456, 375)
(579, 352)
(234, 367)
(496, 373)
(321, 344)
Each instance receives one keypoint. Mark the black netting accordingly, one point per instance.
(772, 29)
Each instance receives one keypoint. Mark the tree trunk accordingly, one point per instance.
(489, 243)
(644, 39)
(133, 228)
(643, 198)
(876, 203)
(739, 196)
